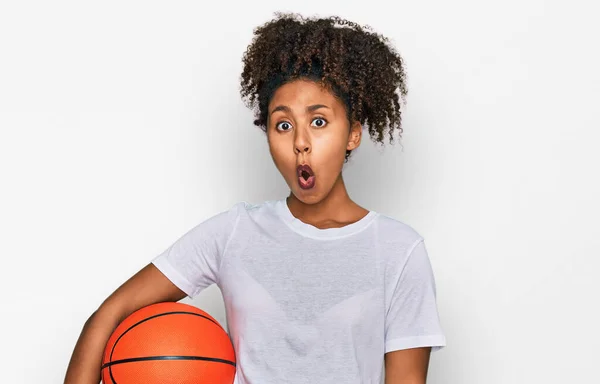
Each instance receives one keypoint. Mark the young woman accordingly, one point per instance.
(317, 288)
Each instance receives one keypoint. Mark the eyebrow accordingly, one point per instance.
(310, 108)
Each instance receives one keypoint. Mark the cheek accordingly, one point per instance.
(281, 153)
(331, 146)
(328, 156)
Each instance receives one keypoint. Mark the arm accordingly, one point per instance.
(148, 286)
(413, 328)
(407, 366)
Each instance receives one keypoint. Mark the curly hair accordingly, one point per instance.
(358, 66)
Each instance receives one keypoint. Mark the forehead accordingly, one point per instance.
(300, 93)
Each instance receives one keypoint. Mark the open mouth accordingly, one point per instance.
(306, 177)
(305, 171)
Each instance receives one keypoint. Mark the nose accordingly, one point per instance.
(301, 144)
(302, 149)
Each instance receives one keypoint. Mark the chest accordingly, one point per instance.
(306, 281)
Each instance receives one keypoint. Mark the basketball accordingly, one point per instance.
(168, 343)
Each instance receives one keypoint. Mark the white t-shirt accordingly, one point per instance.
(310, 305)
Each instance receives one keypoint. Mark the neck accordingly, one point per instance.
(335, 206)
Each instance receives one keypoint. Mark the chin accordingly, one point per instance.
(308, 197)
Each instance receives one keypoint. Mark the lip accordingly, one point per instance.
(304, 167)
(305, 184)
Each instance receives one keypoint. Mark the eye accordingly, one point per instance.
(323, 121)
(288, 125)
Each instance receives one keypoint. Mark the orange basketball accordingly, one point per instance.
(169, 343)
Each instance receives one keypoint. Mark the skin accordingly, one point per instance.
(320, 137)
(327, 205)
(407, 366)
(148, 286)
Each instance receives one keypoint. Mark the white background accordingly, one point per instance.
(122, 127)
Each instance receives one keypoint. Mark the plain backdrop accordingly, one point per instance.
(122, 127)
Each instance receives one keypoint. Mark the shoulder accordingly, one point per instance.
(244, 206)
(392, 230)
(397, 241)
(253, 211)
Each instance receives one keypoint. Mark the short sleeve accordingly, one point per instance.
(192, 262)
(412, 317)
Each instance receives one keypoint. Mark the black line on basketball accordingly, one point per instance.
(153, 358)
(144, 320)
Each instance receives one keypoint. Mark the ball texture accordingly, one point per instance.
(169, 343)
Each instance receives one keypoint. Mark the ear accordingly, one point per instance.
(354, 136)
